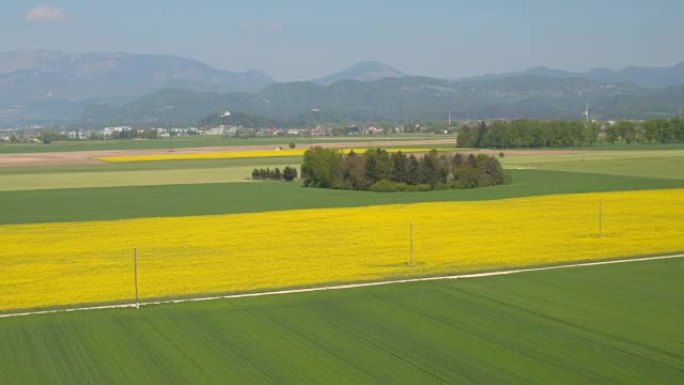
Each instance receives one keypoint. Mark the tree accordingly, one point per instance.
(466, 137)
(413, 170)
(457, 160)
(492, 174)
(289, 174)
(378, 165)
(376, 170)
(322, 168)
(430, 169)
(480, 134)
(354, 172)
(400, 163)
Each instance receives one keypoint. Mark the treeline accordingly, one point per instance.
(567, 133)
(288, 174)
(650, 131)
(528, 133)
(378, 170)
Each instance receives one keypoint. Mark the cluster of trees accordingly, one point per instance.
(378, 170)
(569, 133)
(529, 133)
(47, 136)
(650, 131)
(147, 133)
(288, 174)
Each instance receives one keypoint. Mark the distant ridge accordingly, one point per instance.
(403, 99)
(367, 71)
(43, 76)
(651, 77)
(48, 87)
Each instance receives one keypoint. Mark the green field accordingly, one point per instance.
(614, 324)
(196, 141)
(661, 164)
(175, 188)
(82, 204)
(209, 141)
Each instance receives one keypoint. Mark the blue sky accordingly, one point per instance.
(302, 39)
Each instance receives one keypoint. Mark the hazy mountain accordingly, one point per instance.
(653, 77)
(541, 71)
(363, 72)
(643, 76)
(105, 89)
(404, 99)
(41, 76)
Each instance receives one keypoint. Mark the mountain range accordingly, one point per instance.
(651, 77)
(401, 100)
(364, 72)
(40, 76)
(121, 88)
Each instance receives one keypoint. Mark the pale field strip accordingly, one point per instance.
(44, 181)
(273, 153)
(341, 287)
(89, 156)
(63, 264)
(532, 158)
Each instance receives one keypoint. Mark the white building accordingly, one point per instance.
(108, 131)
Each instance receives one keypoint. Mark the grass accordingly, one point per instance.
(631, 147)
(616, 324)
(70, 180)
(185, 142)
(662, 164)
(142, 166)
(649, 167)
(103, 203)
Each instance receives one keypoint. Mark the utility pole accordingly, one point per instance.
(410, 243)
(135, 273)
(586, 113)
(600, 219)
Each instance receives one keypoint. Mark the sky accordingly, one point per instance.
(306, 39)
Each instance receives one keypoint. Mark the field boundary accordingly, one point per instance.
(342, 286)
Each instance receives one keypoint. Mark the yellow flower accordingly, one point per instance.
(87, 262)
(231, 155)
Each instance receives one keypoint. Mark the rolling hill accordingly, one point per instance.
(403, 99)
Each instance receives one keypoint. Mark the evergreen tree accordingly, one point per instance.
(289, 174)
(413, 171)
(400, 163)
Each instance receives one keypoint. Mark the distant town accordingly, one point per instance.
(47, 134)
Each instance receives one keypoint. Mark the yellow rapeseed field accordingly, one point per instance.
(230, 155)
(87, 262)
